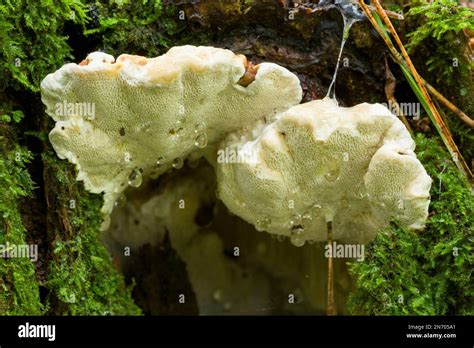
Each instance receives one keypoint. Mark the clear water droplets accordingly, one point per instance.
(306, 219)
(201, 140)
(178, 163)
(199, 127)
(201, 136)
(160, 161)
(181, 122)
(344, 203)
(316, 210)
(333, 170)
(295, 220)
(121, 201)
(263, 224)
(360, 191)
(297, 237)
(146, 127)
(135, 178)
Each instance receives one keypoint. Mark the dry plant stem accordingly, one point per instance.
(331, 308)
(452, 147)
(466, 119)
(441, 112)
(458, 159)
(399, 59)
(390, 94)
(390, 14)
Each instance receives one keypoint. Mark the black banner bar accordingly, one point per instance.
(415, 331)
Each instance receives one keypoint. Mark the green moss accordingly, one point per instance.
(427, 272)
(19, 291)
(32, 43)
(146, 28)
(81, 276)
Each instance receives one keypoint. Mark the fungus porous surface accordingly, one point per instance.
(319, 162)
(123, 121)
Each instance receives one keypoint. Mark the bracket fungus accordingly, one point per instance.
(150, 114)
(304, 166)
(319, 163)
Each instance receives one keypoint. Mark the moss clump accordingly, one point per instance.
(427, 272)
(32, 42)
(82, 278)
(135, 27)
(19, 290)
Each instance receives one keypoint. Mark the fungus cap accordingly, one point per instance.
(119, 121)
(319, 162)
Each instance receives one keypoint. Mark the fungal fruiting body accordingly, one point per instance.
(150, 114)
(319, 162)
(295, 167)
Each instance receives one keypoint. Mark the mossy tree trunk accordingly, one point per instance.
(42, 203)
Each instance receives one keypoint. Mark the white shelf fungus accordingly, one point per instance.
(319, 162)
(138, 117)
(286, 169)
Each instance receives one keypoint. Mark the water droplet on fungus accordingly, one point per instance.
(344, 203)
(121, 201)
(360, 191)
(178, 163)
(316, 210)
(262, 224)
(135, 178)
(200, 127)
(334, 170)
(159, 161)
(306, 219)
(201, 140)
(297, 237)
(295, 221)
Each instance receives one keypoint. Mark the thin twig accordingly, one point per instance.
(390, 14)
(442, 99)
(331, 308)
